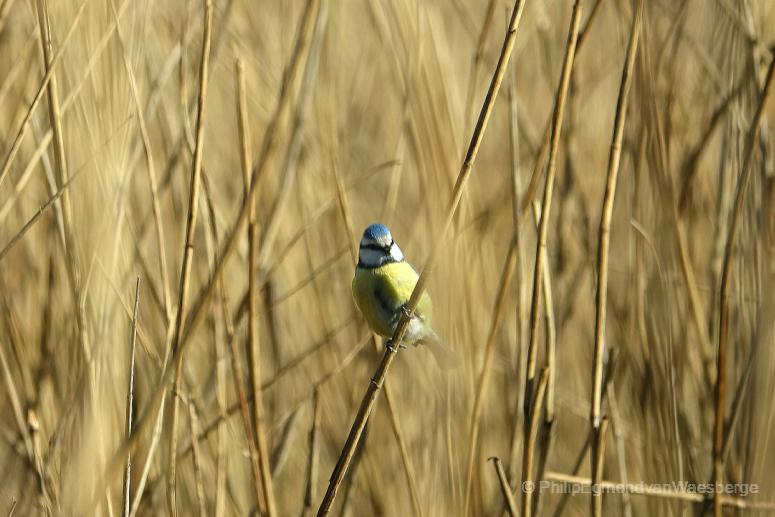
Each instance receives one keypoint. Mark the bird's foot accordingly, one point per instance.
(405, 310)
(389, 346)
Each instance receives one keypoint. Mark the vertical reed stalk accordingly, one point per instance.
(598, 460)
(130, 397)
(188, 250)
(245, 160)
(254, 349)
(604, 240)
(528, 485)
(313, 460)
(546, 205)
(726, 273)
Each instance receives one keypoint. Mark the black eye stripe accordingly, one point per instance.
(374, 247)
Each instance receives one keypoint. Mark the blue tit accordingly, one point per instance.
(382, 286)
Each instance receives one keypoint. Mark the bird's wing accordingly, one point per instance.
(386, 305)
(395, 288)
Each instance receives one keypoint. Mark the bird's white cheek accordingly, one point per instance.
(395, 253)
(370, 257)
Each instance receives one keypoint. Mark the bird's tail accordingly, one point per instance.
(445, 357)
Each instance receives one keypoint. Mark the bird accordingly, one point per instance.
(382, 286)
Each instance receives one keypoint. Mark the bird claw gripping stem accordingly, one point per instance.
(389, 346)
(405, 310)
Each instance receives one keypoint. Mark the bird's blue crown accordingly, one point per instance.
(376, 232)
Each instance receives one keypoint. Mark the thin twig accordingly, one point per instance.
(602, 258)
(31, 222)
(245, 160)
(130, 397)
(196, 459)
(598, 460)
(726, 273)
(606, 215)
(253, 346)
(188, 250)
(505, 488)
(313, 460)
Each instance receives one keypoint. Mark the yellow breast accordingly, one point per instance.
(380, 292)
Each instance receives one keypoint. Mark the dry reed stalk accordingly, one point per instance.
(577, 464)
(17, 141)
(199, 308)
(583, 33)
(378, 378)
(25, 176)
(196, 455)
(692, 161)
(188, 250)
(614, 157)
(737, 404)
(535, 176)
(551, 170)
(619, 438)
(511, 505)
(531, 435)
(228, 334)
(313, 459)
(477, 60)
(550, 331)
(598, 461)
(46, 139)
(243, 404)
(150, 169)
(61, 178)
(261, 475)
(33, 425)
(254, 350)
(39, 212)
(271, 226)
(55, 116)
(726, 272)
(516, 215)
(411, 480)
(14, 502)
(484, 375)
(130, 398)
(221, 375)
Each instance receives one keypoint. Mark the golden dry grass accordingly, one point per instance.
(369, 118)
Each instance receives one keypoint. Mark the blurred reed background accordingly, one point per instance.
(357, 112)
